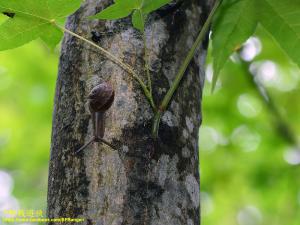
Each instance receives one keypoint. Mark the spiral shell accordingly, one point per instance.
(101, 97)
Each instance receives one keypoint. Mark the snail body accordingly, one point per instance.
(101, 99)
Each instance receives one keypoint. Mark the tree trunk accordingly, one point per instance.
(145, 181)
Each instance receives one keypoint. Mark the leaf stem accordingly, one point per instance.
(166, 100)
(146, 59)
(116, 60)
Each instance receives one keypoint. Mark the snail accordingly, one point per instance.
(100, 99)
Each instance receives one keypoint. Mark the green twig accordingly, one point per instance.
(156, 122)
(166, 100)
(114, 59)
(146, 59)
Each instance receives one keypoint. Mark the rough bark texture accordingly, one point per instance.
(147, 181)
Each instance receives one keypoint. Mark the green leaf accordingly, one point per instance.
(51, 36)
(121, 9)
(18, 31)
(63, 8)
(237, 20)
(282, 20)
(234, 22)
(152, 5)
(138, 20)
(33, 19)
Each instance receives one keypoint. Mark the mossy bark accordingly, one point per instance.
(146, 181)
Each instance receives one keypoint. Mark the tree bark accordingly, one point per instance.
(146, 181)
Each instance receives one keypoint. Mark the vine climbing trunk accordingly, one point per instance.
(146, 181)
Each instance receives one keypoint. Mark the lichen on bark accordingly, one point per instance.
(146, 181)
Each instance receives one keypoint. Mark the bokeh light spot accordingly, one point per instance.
(251, 48)
(246, 139)
(207, 204)
(4, 138)
(38, 94)
(292, 156)
(210, 138)
(270, 74)
(209, 74)
(248, 106)
(249, 215)
(6, 185)
(5, 80)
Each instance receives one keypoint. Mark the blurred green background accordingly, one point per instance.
(27, 84)
(249, 171)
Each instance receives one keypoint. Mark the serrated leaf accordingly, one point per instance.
(232, 26)
(151, 5)
(237, 19)
(121, 9)
(51, 36)
(18, 31)
(33, 19)
(63, 8)
(282, 20)
(138, 8)
(138, 20)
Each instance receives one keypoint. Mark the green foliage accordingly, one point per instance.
(26, 105)
(236, 20)
(33, 19)
(119, 9)
(138, 20)
(282, 19)
(139, 9)
(232, 26)
(242, 156)
(152, 5)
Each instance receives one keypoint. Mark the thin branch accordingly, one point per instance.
(116, 60)
(146, 59)
(166, 100)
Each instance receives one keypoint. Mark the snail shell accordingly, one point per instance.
(101, 97)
